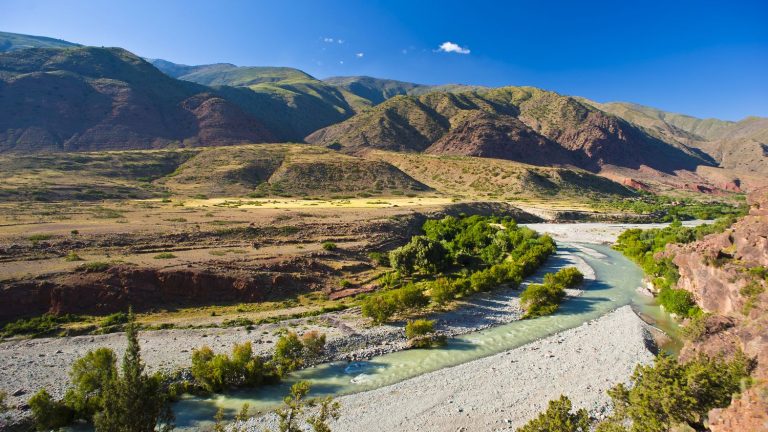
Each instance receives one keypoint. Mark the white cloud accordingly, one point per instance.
(341, 61)
(451, 47)
(328, 40)
(341, 41)
(359, 55)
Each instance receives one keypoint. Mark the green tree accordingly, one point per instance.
(289, 353)
(420, 254)
(328, 409)
(669, 393)
(48, 413)
(293, 407)
(559, 418)
(134, 401)
(89, 376)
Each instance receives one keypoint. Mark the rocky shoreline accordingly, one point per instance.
(28, 365)
(503, 391)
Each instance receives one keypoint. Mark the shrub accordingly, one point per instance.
(567, 277)
(164, 255)
(442, 290)
(380, 307)
(559, 418)
(421, 254)
(541, 299)
(329, 246)
(419, 327)
(696, 327)
(668, 393)
(133, 400)
(380, 259)
(289, 353)
(3, 401)
(37, 326)
(217, 372)
(114, 321)
(409, 297)
(49, 414)
(314, 345)
(72, 256)
(677, 301)
(89, 377)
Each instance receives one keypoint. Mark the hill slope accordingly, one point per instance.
(85, 98)
(15, 42)
(741, 146)
(518, 123)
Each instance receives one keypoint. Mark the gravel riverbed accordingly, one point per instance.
(503, 391)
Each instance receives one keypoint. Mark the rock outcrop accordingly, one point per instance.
(724, 274)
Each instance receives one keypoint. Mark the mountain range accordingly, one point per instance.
(57, 96)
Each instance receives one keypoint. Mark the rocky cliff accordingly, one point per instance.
(726, 273)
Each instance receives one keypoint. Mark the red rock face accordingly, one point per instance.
(714, 269)
(119, 287)
(635, 184)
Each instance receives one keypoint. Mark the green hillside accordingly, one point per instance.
(14, 42)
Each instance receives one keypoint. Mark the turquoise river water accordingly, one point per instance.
(615, 286)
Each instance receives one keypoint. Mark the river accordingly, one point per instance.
(616, 283)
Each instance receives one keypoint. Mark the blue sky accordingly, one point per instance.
(708, 59)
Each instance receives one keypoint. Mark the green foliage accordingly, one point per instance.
(567, 277)
(38, 326)
(751, 292)
(329, 409)
(329, 246)
(642, 246)
(378, 258)
(293, 407)
(72, 256)
(292, 352)
(3, 401)
(669, 393)
(695, 329)
(667, 209)
(421, 254)
(89, 376)
(113, 321)
(677, 301)
(419, 327)
(381, 306)
(134, 401)
(559, 418)
(218, 372)
(442, 290)
(48, 413)
(541, 299)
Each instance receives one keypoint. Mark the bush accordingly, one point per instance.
(559, 418)
(566, 277)
(3, 401)
(380, 307)
(541, 299)
(37, 326)
(289, 354)
(218, 372)
(72, 256)
(421, 254)
(419, 327)
(89, 377)
(380, 259)
(677, 301)
(113, 321)
(442, 290)
(314, 345)
(669, 393)
(49, 414)
(329, 246)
